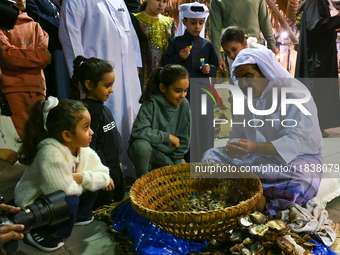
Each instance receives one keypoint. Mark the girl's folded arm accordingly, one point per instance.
(13, 57)
(142, 127)
(57, 176)
(184, 138)
(95, 175)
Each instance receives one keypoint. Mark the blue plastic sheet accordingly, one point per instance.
(148, 238)
(322, 249)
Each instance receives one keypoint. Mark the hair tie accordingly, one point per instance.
(49, 104)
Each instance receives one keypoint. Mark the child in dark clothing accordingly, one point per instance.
(189, 49)
(96, 77)
(199, 57)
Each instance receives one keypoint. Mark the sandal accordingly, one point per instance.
(324, 134)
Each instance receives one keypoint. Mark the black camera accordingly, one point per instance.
(8, 15)
(46, 210)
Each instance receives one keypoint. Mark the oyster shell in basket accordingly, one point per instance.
(258, 230)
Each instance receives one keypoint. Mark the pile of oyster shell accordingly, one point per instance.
(255, 234)
(204, 202)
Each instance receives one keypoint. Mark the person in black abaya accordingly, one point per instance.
(317, 61)
(132, 5)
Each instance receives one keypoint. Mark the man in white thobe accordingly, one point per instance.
(103, 29)
(283, 148)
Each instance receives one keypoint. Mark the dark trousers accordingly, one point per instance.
(142, 154)
(79, 208)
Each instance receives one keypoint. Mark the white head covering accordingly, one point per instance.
(265, 60)
(185, 11)
(50, 103)
(252, 43)
(333, 11)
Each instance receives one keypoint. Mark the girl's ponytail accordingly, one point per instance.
(75, 90)
(152, 85)
(63, 116)
(167, 75)
(34, 133)
(142, 7)
(84, 69)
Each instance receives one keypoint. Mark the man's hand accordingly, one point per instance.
(9, 156)
(205, 69)
(231, 153)
(6, 209)
(221, 66)
(245, 146)
(184, 53)
(110, 187)
(174, 141)
(241, 147)
(8, 233)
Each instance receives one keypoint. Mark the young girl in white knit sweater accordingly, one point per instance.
(55, 146)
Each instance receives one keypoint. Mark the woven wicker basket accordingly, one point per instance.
(161, 187)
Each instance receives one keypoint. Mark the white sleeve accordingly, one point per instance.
(136, 47)
(95, 175)
(290, 140)
(56, 174)
(71, 19)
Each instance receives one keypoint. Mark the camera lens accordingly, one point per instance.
(47, 210)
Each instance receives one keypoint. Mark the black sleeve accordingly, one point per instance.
(96, 128)
(171, 56)
(140, 34)
(318, 18)
(33, 7)
(173, 30)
